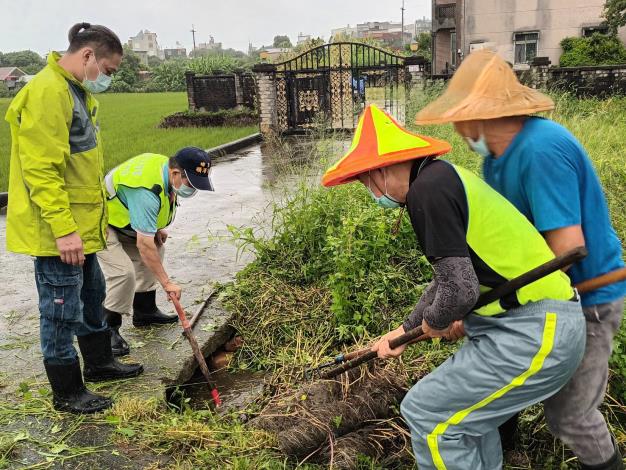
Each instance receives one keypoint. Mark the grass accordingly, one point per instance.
(129, 127)
(329, 276)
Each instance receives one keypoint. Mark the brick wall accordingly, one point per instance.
(215, 92)
(598, 81)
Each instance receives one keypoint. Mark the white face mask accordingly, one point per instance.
(479, 146)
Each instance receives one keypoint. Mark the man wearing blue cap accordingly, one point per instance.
(143, 196)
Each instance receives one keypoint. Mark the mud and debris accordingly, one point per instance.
(321, 412)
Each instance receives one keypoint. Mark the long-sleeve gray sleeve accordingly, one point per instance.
(449, 297)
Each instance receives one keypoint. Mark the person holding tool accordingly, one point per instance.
(58, 211)
(546, 174)
(522, 348)
(143, 195)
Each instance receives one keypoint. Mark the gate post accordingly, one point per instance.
(415, 69)
(238, 76)
(266, 96)
(191, 92)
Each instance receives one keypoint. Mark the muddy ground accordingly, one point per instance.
(199, 253)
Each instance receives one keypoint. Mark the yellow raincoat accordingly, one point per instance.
(56, 175)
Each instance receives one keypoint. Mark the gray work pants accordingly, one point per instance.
(572, 414)
(508, 363)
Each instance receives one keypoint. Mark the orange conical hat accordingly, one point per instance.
(379, 141)
(484, 87)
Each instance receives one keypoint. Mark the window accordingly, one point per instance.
(525, 47)
(453, 47)
(588, 31)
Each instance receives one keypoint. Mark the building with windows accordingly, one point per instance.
(175, 52)
(519, 30)
(388, 32)
(145, 45)
(210, 46)
(11, 76)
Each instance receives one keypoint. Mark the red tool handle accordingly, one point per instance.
(196, 350)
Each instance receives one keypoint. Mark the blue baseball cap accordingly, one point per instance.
(196, 164)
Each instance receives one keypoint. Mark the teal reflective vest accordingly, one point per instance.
(142, 171)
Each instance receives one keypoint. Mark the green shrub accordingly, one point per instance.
(338, 237)
(599, 49)
(120, 86)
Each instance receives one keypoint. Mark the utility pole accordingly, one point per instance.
(402, 23)
(193, 34)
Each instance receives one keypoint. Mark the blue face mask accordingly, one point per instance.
(385, 201)
(479, 146)
(100, 84)
(185, 191)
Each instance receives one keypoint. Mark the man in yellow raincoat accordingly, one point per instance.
(57, 211)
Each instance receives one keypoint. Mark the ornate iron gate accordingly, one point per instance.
(334, 82)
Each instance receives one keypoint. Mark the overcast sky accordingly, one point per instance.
(41, 25)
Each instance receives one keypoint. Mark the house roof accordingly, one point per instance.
(6, 72)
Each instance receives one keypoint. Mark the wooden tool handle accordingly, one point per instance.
(601, 281)
(570, 257)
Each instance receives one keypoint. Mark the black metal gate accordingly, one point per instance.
(334, 82)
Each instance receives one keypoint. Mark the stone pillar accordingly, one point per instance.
(539, 73)
(266, 97)
(415, 66)
(239, 88)
(191, 94)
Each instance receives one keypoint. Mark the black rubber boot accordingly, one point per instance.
(614, 463)
(100, 364)
(119, 346)
(69, 392)
(146, 312)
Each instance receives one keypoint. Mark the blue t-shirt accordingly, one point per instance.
(143, 206)
(546, 173)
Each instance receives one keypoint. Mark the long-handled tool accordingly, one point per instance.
(496, 293)
(196, 350)
(601, 281)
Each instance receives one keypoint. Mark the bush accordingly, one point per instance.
(5, 92)
(338, 238)
(120, 86)
(223, 117)
(598, 49)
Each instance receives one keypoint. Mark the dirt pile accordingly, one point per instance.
(338, 420)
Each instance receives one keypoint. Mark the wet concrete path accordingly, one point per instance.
(198, 253)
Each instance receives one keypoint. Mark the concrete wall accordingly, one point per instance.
(495, 21)
(442, 51)
(600, 81)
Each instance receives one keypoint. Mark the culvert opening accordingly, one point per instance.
(237, 389)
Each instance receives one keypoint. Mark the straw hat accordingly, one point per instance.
(484, 87)
(379, 141)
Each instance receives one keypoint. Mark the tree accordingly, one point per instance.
(424, 45)
(599, 49)
(29, 61)
(153, 61)
(127, 75)
(615, 14)
(282, 41)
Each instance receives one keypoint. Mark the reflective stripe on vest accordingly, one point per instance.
(142, 171)
(508, 243)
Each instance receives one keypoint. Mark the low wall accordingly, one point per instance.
(597, 81)
(215, 92)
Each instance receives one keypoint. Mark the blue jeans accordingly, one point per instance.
(70, 304)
